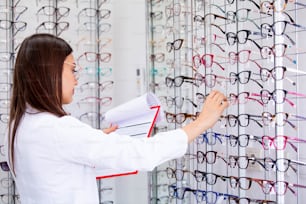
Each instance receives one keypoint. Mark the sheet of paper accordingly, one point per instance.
(136, 116)
(138, 126)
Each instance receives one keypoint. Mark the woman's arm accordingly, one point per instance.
(213, 107)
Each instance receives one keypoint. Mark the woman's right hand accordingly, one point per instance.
(214, 105)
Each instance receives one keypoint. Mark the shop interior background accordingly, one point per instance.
(128, 47)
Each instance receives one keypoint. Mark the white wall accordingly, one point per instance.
(129, 54)
(129, 38)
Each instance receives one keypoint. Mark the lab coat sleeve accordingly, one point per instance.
(80, 143)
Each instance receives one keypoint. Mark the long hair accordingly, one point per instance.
(37, 80)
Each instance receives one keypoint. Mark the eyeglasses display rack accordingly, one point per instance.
(254, 52)
(87, 26)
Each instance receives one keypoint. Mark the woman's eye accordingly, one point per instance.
(74, 71)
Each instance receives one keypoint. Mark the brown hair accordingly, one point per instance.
(37, 80)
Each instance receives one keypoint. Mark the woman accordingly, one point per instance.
(55, 157)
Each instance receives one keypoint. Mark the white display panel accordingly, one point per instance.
(241, 48)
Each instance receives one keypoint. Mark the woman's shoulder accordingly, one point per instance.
(71, 121)
(48, 119)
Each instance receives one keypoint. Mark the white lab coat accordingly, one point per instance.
(57, 159)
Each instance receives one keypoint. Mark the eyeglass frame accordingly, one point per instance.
(275, 139)
(54, 27)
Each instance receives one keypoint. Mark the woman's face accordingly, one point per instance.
(69, 80)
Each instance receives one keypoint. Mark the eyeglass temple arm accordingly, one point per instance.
(292, 145)
(194, 105)
(223, 178)
(221, 9)
(298, 163)
(254, 99)
(254, 61)
(256, 44)
(256, 138)
(256, 82)
(290, 123)
(217, 26)
(20, 13)
(256, 4)
(296, 116)
(204, 137)
(251, 20)
(290, 39)
(219, 46)
(291, 189)
(217, 136)
(296, 139)
(257, 160)
(37, 13)
(295, 185)
(227, 136)
(192, 82)
(79, 14)
(226, 196)
(219, 65)
(256, 116)
(296, 94)
(297, 25)
(220, 157)
(291, 166)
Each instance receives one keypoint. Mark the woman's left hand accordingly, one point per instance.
(112, 128)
